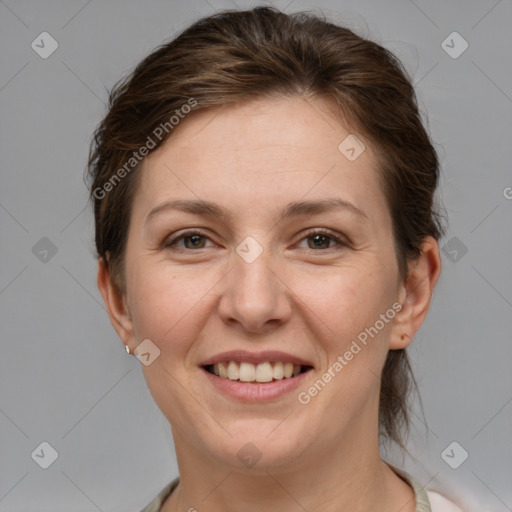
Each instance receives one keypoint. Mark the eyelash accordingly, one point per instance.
(171, 244)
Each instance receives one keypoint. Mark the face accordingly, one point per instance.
(295, 264)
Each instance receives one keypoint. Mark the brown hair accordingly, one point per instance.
(236, 55)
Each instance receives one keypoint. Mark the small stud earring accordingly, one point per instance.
(127, 348)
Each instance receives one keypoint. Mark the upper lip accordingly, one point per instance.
(255, 357)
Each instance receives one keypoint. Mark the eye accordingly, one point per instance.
(321, 239)
(191, 239)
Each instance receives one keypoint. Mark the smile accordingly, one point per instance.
(267, 371)
(263, 376)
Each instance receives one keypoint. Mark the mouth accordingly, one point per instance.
(250, 377)
(260, 373)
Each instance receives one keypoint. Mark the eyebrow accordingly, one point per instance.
(294, 209)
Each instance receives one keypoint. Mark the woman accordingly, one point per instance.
(268, 247)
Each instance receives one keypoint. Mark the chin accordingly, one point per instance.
(257, 449)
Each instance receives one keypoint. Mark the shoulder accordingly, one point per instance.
(157, 501)
(439, 503)
(427, 500)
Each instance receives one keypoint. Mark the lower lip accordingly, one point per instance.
(254, 391)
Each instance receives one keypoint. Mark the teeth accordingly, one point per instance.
(263, 372)
(247, 372)
(223, 371)
(233, 371)
(278, 370)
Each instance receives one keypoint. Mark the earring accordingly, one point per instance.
(127, 348)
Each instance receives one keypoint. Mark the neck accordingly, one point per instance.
(351, 477)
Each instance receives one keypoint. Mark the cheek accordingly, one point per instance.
(356, 317)
(169, 304)
(346, 302)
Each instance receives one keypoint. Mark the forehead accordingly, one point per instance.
(262, 153)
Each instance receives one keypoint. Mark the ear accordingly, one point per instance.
(415, 294)
(116, 304)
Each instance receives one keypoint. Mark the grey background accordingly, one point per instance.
(64, 376)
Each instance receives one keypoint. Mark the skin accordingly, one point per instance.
(254, 159)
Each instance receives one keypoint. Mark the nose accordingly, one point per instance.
(255, 297)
